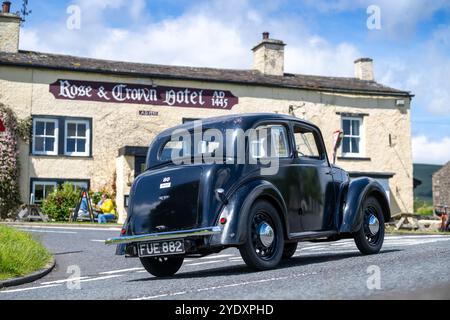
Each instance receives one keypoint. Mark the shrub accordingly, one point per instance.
(59, 204)
(9, 163)
(425, 210)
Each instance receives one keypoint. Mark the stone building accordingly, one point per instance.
(441, 186)
(93, 119)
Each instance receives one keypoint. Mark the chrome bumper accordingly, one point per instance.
(166, 235)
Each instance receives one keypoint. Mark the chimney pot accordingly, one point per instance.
(6, 6)
(265, 35)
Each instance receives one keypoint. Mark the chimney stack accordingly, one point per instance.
(268, 56)
(364, 69)
(9, 29)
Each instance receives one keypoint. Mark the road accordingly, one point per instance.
(407, 267)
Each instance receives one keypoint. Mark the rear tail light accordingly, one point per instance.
(223, 220)
(123, 231)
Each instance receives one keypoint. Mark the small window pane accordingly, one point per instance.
(355, 127)
(39, 144)
(38, 192)
(81, 145)
(81, 130)
(346, 145)
(71, 145)
(40, 127)
(49, 144)
(71, 130)
(346, 125)
(355, 145)
(48, 190)
(50, 129)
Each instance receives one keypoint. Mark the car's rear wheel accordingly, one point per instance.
(265, 242)
(162, 266)
(289, 250)
(369, 238)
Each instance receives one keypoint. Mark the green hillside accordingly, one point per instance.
(424, 172)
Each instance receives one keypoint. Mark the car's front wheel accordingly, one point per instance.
(265, 241)
(369, 238)
(162, 266)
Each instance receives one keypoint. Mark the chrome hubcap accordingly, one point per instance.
(374, 225)
(266, 234)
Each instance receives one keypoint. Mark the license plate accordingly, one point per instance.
(160, 248)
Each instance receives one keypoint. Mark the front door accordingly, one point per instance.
(316, 191)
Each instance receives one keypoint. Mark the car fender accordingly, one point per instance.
(238, 207)
(353, 197)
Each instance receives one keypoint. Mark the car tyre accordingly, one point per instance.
(263, 249)
(369, 238)
(162, 266)
(289, 250)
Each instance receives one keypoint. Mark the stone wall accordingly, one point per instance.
(386, 127)
(441, 186)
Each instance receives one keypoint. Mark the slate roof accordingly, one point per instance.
(245, 77)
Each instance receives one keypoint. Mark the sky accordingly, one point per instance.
(409, 41)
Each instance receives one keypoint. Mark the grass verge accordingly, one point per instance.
(391, 230)
(20, 254)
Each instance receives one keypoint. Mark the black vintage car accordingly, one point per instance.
(258, 182)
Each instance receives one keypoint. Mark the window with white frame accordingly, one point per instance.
(41, 189)
(45, 136)
(352, 142)
(77, 136)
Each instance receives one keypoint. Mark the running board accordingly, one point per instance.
(308, 235)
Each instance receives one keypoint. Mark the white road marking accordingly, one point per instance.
(161, 296)
(94, 240)
(102, 278)
(64, 280)
(206, 262)
(45, 231)
(121, 270)
(31, 288)
(239, 284)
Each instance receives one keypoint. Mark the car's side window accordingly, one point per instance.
(306, 143)
(269, 141)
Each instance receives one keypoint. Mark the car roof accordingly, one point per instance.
(238, 120)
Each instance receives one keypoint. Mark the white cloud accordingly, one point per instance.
(428, 151)
(215, 34)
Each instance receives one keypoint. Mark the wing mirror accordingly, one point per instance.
(337, 139)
